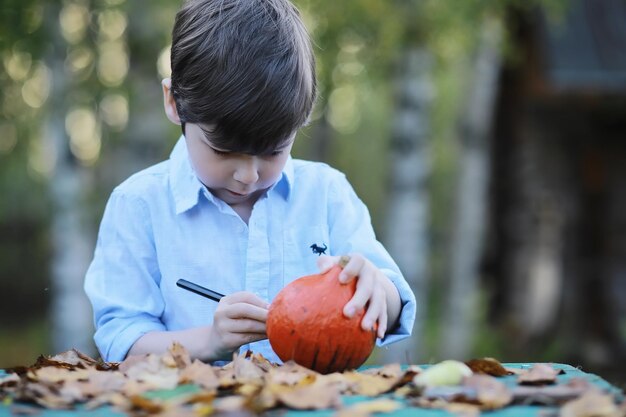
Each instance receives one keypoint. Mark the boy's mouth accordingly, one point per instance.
(237, 194)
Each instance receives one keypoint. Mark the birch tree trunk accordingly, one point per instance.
(471, 198)
(72, 248)
(407, 212)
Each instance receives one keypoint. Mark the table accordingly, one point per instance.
(511, 411)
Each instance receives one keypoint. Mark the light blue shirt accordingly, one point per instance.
(162, 224)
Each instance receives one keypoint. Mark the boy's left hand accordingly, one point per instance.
(370, 287)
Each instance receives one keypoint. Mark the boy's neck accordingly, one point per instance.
(244, 210)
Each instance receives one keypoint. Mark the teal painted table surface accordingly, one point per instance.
(510, 411)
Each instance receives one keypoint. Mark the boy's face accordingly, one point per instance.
(237, 179)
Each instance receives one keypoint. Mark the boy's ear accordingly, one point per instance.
(168, 101)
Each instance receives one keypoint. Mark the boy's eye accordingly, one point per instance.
(276, 153)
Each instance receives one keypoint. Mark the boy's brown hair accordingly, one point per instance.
(244, 71)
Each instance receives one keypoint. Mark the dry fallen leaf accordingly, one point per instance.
(199, 373)
(251, 385)
(153, 372)
(383, 405)
(315, 396)
(539, 374)
(489, 366)
(463, 410)
(491, 394)
(179, 355)
(247, 371)
(552, 395)
(591, 404)
(368, 384)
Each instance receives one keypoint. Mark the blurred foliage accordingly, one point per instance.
(93, 69)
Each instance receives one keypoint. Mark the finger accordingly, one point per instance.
(245, 297)
(374, 310)
(251, 337)
(362, 295)
(382, 323)
(353, 269)
(325, 262)
(245, 311)
(246, 326)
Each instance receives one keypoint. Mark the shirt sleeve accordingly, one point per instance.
(351, 231)
(122, 281)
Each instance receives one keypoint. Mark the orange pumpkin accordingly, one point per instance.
(305, 323)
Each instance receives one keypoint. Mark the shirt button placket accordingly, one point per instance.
(257, 266)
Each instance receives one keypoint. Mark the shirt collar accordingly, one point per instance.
(187, 188)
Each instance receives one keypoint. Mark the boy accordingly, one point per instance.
(230, 210)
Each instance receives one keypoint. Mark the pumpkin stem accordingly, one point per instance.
(343, 261)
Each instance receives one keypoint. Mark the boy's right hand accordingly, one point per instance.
(239, 319)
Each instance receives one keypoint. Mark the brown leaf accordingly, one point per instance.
(539, 374)
(291, 374)
(51, 374)
(45, 395)
(246, 371)
(9, 380)
(72, 358)
(139, 403)
(153, 372)
(199, 373)
(232, 403)
(489, 366)
(98, 383)
(463, 410)
(261, 362)
(131, 361)
(367, 384)
(392, 370)
(383, 405)
(316, 396)
(491, 394)
(180, 355)
(551, 395)
(590, 404)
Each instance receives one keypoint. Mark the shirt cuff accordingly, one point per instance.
(408, 304)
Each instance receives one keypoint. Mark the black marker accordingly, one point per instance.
(198, 289)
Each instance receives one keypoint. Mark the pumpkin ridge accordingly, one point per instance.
(331, 363)
(348, 363)
(314, 362)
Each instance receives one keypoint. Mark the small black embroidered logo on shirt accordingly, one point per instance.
(319, 250)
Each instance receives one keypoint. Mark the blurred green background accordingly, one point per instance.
(486, 137)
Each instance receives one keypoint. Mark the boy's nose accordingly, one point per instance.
(246, 172)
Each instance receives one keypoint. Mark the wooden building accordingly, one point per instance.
(556, 251)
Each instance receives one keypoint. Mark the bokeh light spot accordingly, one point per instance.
(74, 19)
(83, 129)
(114, 111)
(36, 90)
